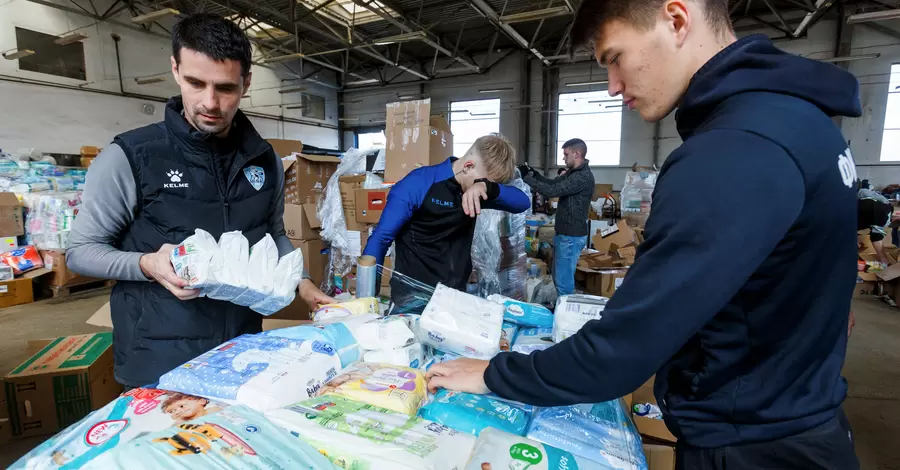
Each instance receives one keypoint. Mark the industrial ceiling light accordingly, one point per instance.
(482, 114)
(349, 119)
(14, 54)
(405, 37)
(377, 121)
(364, 82)
(599, 82)
(291, 90)
(69, 39)
(410, 96)
(874, 16)
(458, 111)
(604, 101)
(496, 90)
(535, 15)
(149, 80)
(155, 16)
(283, 58)
(849, 58)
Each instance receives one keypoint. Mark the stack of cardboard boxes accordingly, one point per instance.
(12, 225)
(603, 269)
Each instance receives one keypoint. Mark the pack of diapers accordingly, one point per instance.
(260, 272)
(461, 323)
(135, 413)
(573, 312)
(507, 335)
(338, 334)
(343, 311)
(412, 356)
(385, 333)
(500, 450)
(601, 432)
(194, 258)
(260, 371)
(529, 340)
(472, 413)
(395, 388)
(523, 313)
(231, 271)
(236, 438)
(286, 277)
(355, 435)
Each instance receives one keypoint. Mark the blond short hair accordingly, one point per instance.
(497, 155)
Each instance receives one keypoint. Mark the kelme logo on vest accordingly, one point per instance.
(175, 178)
(256, 176)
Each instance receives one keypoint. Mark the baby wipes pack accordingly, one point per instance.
(529, 340)
(236, 438)
(260, 371)
(496, 449)
(231, 272)
(139, 411)
(508, 334)
(412, 356)
(573, 312)
(286, 277)
(472, 413)
(461, 323)
(193, 260)
(523, 313)
(395, 388)
(355, 435)
(260, 272)
(338, 334)
(342, 311)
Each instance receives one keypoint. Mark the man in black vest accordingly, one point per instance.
(204, 166)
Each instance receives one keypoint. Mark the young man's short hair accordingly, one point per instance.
(578, 145)
(213, 36)
(642, 14)
(498, 157)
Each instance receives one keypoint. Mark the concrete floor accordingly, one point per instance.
(872, 369)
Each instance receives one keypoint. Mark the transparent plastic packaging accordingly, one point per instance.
(473, 413)
(573, 312)
(461, 323)
(49, 218)
(331, 214)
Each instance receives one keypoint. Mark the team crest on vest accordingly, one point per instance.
(256, 176)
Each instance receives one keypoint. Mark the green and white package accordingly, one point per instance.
(498, 450)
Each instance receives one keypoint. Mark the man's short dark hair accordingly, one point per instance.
(576, 144)
(642, 14)
(213, 36)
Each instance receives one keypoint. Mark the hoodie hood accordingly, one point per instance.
(754, 64)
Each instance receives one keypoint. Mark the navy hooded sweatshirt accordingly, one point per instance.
(740, 295)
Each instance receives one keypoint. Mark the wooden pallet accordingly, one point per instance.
(70, 290)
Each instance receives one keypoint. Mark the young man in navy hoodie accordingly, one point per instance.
(739, 296)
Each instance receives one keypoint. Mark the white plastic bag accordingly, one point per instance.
(573, 312)
(231, 272)
(193, 260)
(287, 277)
(412, 356)
(384, 333)
(260, 272)
(461, 323)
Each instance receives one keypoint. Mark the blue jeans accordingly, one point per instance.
(566, 251)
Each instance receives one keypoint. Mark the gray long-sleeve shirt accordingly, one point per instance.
(574, 190)
(109, 203)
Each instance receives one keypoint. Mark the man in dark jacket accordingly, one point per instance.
(574, 188)
(747, 338)
(203, 167)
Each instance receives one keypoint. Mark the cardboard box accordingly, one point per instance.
(414, 138)
(546, 233)
(16, 292)
(604, 283)
(59, 274)
(867, 284)
(301, 222)
(370, 203)
(349, 185)
(11, 221)
(305, 177)
(315, 258)
(67, 379)
(653, 428)
(620, 235)
(284, 147)
(659, 457)
(601, 190)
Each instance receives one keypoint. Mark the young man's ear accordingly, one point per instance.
(469, 165)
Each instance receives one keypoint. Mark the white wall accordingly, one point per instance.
(54, 119)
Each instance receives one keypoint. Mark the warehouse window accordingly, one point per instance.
(594, 117)
(470, 120)
(890, 140)
(51, 58)
(313, 107)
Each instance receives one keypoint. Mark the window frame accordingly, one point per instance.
(451, 113)
(893, 94)
(617, 108)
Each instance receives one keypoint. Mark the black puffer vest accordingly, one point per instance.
(181, 187)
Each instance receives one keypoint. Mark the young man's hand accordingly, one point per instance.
(472, 198)
(158, 267)
(312, 295)
(461, 375)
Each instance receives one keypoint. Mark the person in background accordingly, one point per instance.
(574, 188)
(205, 167)
(746, 343)
(874, 213)
(430, 215)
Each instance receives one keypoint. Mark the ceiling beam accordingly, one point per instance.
(488, 12)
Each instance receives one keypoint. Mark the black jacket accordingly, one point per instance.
(182, 186)
(574, 190)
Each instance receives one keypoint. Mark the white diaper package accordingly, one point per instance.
(231, 272)
(194, 258)
(529, 340)
(384, 333)
(338, 334)
(573, 312)
(523, 313)
(412, 356)
(260, 272)
(236, 438)
(500, 450)
(287, 276)
(260, 371)
(461, 323)
(355, 435)
(137, 412)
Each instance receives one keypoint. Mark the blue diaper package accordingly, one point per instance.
(336, 333)
(523, 313)
(236, 438)
(530, 340)
(470, 413)
(601, 432)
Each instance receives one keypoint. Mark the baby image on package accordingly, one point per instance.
(395, 388)
(136, 413)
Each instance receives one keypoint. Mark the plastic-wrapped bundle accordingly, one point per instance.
(338, 334)
(49, 219)
(601, 432)
(461, 323)
(397, 388)
(473, 413)
(496, 449)
(530, 340)
(573, 312)
(416, 294)
(331, 213)
(637, 194)
(543, 291)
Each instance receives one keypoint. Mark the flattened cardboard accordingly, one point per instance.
(60, 384)
(11, 221)
(297, 222)
(370, 204)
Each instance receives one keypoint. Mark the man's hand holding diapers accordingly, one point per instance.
(158, 267)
